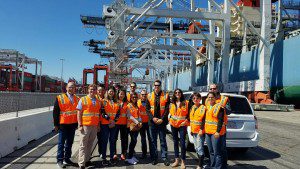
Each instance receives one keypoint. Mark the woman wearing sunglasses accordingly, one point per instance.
(215, 130)
(197, 120)
(134, 124)
(179, 120)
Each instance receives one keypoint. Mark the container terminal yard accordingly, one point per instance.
(249, 48)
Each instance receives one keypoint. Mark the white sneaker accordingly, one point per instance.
(131, 161)
(136, 160)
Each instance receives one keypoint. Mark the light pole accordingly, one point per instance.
(62, 71)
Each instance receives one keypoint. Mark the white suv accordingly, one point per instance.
(242, 123)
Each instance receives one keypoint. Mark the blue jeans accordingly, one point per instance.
(182, 133)
(65, 141)
(133, 141)
(143, 131)
(108, 134)
(199, 143)
(214, 147)
(160, 130)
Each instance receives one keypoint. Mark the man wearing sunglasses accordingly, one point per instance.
(158, 110)
(132, 90)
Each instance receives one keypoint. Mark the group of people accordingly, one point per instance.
(107, 113)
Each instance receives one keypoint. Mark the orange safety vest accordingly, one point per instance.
(223, 101)
(123, 114)
(68, 112)
(143, 113)
(211, 120)
(91, 113)
(110, 109)
(163, 102)
(134, 112)
(196, 117)
(178, 115)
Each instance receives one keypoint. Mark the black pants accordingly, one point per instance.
(133, 141)
(124, 137)
(143, 131)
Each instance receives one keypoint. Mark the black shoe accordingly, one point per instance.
(82, 167)
(60, 164)
(88, 163)
(144, 156)
(166, 162)
(113, 162)
(105, 163)
(69, 162)
(154, 162)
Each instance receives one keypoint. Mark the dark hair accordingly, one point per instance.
(213, 93)
(157, 81)
(114, 97)
(133, 94)
(197, 95)
(118, 95)
(174, 97)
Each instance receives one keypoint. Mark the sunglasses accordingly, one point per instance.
(132, 86)
(213, 89)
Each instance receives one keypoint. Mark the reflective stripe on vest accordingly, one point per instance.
(196, 117)
(211, 121)
(111, 109)
(162, 103)
(68, 112)
(91, 112)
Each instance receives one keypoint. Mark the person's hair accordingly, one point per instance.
(114, 97)
(197, 95)
(131, 96)
(93, 86)
(157, 81)
(174, 99)
(214, 94)
(118, 95)
(144, 90)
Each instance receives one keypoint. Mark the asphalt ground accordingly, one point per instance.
(279, 147)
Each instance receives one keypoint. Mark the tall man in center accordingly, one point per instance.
(158, 110)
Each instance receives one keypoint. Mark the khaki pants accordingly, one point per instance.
(87, 137)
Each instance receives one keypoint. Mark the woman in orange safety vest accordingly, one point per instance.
(121, 124)
(197, 121)
(179, 120)
(110, 116)
(134, 124)
(215, 130)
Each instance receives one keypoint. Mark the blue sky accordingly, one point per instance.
(50, 30)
